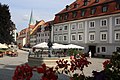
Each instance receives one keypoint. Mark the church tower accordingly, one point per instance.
(29, 29)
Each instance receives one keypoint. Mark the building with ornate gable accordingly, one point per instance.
(43, 33)
(33, 33)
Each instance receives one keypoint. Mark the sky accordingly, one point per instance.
(42, 10)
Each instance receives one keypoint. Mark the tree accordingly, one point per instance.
(6, 25)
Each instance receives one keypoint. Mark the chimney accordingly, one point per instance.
(37, 21)
(67, 7)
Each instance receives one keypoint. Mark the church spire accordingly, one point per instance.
(31, 21)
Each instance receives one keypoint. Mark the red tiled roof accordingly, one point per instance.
(26, 29)
(111, 10)
(20, 38)
(23, 31)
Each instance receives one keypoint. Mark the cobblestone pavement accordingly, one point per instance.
(8, 64)
(96, 66)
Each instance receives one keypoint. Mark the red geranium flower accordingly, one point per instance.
(79, 63)
(23, 72)
(62, 64)
(106, 63)
(48, 73)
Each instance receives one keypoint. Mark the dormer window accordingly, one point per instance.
(67, 7)
(93, 10)
(75, 5)
(60, 17)
(74, 14)
(83, 12)
(118, 6)
(65, 27)
(66, 16)
(60, 28)
(104, 8)
(85, 2)
(96, 1)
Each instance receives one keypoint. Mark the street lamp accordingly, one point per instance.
(49, 41)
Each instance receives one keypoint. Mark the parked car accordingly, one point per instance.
(12, 53)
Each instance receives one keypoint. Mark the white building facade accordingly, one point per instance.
(98, 32)
(21, 39)
(33, 34)
(43, 33)
(14, 34)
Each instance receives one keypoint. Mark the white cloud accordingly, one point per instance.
(25, 17)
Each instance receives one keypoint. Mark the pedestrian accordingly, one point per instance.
(90, 54)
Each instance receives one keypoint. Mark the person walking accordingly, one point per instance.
(90, 54)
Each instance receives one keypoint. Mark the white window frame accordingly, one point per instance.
(81, 36)
(42, 35)
(97, 49)
(102, 33)
(116, 47)
(59, 37)
(104, 9)
(60, 27)
(90, 24)
(71, 37)
(56, 38)
(55, 29)
(116, 21)
(66, 38)
(64, 27)
(42, 28)
(105, 49)
(45, 34)
(45, 40)
(37, 35)
(118, 36)
(80, 27)
(102, 21)
(90, 38)
(73, 24)
(42, 40)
